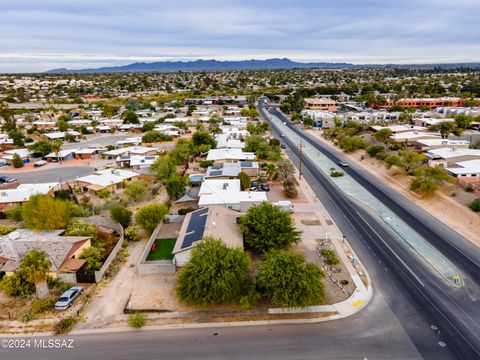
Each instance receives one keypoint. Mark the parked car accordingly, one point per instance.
(40, 163)
(343, 163)
(283, 146)
(254, 184)
(265, 187)
(3, 163)
(6, 179)
(67, 298)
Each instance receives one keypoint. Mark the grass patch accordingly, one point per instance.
(164, 249)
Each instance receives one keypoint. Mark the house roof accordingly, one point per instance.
(215, 221)
(24, 191)
(448, 153)
(107, 177)
(229, 154)
(16, 245)
(224, 192)
(465, 167)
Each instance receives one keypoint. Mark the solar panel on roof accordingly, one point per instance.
(215, 173)
(195, 228)
(246, 163)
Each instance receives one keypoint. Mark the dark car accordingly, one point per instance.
(254, 184)
(283, 146)
(6, 179)
(265, 187)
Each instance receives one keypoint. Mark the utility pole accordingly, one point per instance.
(300, 158)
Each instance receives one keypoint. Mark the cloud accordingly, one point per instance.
(42, 34)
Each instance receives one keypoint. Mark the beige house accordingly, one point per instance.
(214, 221)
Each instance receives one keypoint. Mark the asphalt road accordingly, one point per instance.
(453, 311)
(99, 140)
(51, 175)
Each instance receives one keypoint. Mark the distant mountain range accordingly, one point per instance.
(212, 65)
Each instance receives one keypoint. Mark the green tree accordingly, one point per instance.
(205, 163)
(215, 274)
(43, 212)
(266, 226)
(351, 143)
(383, 135)
(121, 215)
(203, 138)
(136, 191)
(308, 121)
(130, 117)
(271, 171)
(41, 148)
(17, 161)
(290, 188)
(392, 160)
(149, 216)
(411, 160)
(93, 259)
(289, 281)
(175, 186)
(62, 125)
(428, 179)
(445, 128)
(244, 180)
(475, 205)
(148, 126)
(38, 266)
(463, 121)
(56, 147)
(373, 150)
(165, 167)
(285, 169)
(153, 136)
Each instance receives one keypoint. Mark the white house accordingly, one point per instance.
(229, 155)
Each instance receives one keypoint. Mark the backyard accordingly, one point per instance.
(162, 249)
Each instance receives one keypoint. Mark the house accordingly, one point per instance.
(23, 192)
(229, 155)
(426, 122)
(61, 135)
(423, 145)
(239, 122)
(320, 104)
(62, 251)
(109, 179)
(131, 150)
(467, 172)
(139, 163)
(63, 155)
(214, 221)
(231, 170)
(227, 193)
(129, 141)
(9, 154)
(425, 102)
(448, 157)
(87, 153)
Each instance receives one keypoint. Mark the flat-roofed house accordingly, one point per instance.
(109, 179)
(212, 221)
(229, 155)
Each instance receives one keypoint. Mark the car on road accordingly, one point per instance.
(265, 187)
(7, 180)
(343, 163)
(283, 135)
(40, 163)
(67, 298)
(3, 163)
(283, 146)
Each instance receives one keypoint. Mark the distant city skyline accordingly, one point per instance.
(45, 34)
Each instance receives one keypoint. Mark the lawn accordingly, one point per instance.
(164, 249)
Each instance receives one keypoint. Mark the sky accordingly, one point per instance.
(38, 35)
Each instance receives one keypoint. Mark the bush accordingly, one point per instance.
(205, 163)
(43, 212)
(137, 320)
(14, 212)
(64, 326)
(330, 257)
(154, 136)
(131, 233)
(289, 188)
(374, 150)
(469, 189)
(351, 143)
(475, 205)
(121, 215)
(382, 155)
(335, 173)
(81, 211)
(17, 161)
(5, 229)
(215, 274)
(103, 193)
(94, 259)
(42, 305)
(149, 216)
(175, 186)
(289, 281)
(244, 180)
(136, 190)
(26, 317)
(267, 226)
(18, 284)
(80, 228)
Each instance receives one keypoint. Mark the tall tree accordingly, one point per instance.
(428, 179)
(38, 265)
(57, 147)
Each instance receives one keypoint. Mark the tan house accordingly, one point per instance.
(320, 104)
(214, 221)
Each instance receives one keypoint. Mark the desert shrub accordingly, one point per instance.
(5, 229)
(475, 205)
(330, 257)
(335, 173)
(137, 320)
(374, 150)
(14, 212)
(289, 188)
(121, 215)
(103, 193)
(64, 326)
(131, 233)
(42, 305)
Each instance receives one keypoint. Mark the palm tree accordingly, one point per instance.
(271, 171)
(37, 265)
(56, 147)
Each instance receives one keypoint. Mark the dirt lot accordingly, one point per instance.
(450, 210)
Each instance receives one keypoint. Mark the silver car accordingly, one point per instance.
(66, 299)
